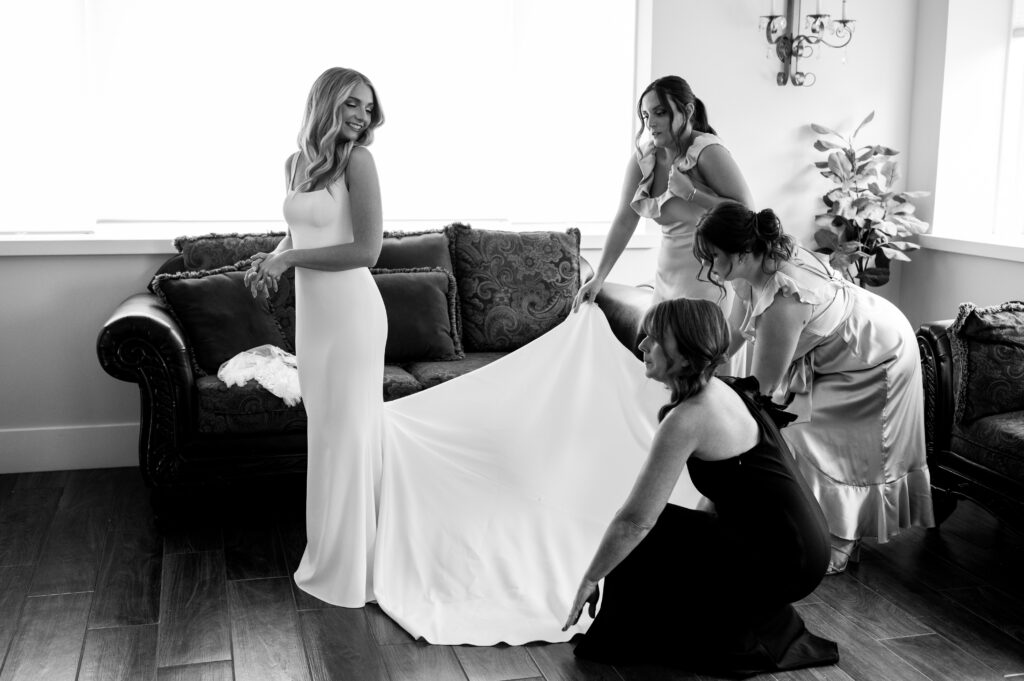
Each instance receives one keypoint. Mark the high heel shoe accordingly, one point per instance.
(843, 551)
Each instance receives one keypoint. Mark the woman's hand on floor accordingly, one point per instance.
(589, 592)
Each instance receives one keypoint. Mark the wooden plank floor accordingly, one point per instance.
(91, 590)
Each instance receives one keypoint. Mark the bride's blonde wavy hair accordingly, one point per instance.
(321, 142)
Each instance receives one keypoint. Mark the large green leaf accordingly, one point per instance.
(836, 165)
(826, 238)
(867, 120)
(825, 145)
(822, 130)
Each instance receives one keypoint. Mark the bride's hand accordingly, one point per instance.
(589, 592)
(271, 269)
(680, 184)
(252, 276)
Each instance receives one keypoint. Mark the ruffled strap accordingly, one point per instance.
(642, 202)
(701, 141)
(761, 301)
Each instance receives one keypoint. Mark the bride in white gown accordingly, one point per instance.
(469, 510)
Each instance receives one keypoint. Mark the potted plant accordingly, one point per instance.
(865, 223)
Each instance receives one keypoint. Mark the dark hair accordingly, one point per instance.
(701, 335)
(732, 228)
(678, 91)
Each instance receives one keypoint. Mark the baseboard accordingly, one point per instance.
(54, 448)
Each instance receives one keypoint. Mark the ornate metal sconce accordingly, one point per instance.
(791, 47)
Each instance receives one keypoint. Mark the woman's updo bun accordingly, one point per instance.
(774, 242)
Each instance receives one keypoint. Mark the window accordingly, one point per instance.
(507, 110)
(1010, 222)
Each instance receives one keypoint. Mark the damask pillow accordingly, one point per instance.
(513, 286)
(420, 305)
(988, 349)
(220, 250)
(218, 315)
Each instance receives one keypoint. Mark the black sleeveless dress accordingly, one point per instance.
(713, 592)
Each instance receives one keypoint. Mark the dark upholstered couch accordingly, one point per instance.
(456, 298)
(973, 370)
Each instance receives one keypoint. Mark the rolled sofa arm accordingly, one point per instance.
(625, 306)
(141, 343)
(938, 378)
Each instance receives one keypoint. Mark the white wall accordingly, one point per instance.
(58, 408)
(717, 47)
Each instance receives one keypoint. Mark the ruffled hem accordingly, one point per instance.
(876, 511)
(643, 203)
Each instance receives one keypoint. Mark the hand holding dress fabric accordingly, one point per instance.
(588, 292)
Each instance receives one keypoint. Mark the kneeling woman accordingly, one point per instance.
(708, 590)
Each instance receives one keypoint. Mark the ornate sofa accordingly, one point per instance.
(457, 299)
(973, 369)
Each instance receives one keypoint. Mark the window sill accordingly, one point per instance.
(157, 238)
(1004, 248)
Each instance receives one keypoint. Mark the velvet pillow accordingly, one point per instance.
(405, 250)
(513, 286)
(218, 315)
(420, 304)
(988, 348)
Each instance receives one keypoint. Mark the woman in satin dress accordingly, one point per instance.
(846, 362)
(680, 169)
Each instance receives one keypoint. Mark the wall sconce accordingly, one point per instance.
(791, 47)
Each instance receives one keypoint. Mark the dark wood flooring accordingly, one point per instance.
(91, 590)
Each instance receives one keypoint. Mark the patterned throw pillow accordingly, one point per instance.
(218, 315)
(210, 251)
(513, 286)
(988, 349)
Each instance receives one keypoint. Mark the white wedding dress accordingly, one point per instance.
(469, 511)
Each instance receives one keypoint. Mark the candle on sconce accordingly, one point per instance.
(817, 6)
(844, 10)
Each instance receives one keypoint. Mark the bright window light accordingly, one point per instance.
(505, 110)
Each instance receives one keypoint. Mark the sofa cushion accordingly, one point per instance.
(398, 383)
(218, 315)
(995, 442)
(988, 349)
(430, 374)
(246, 408)
(420, 304)
(513, 286)
(250, 409)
